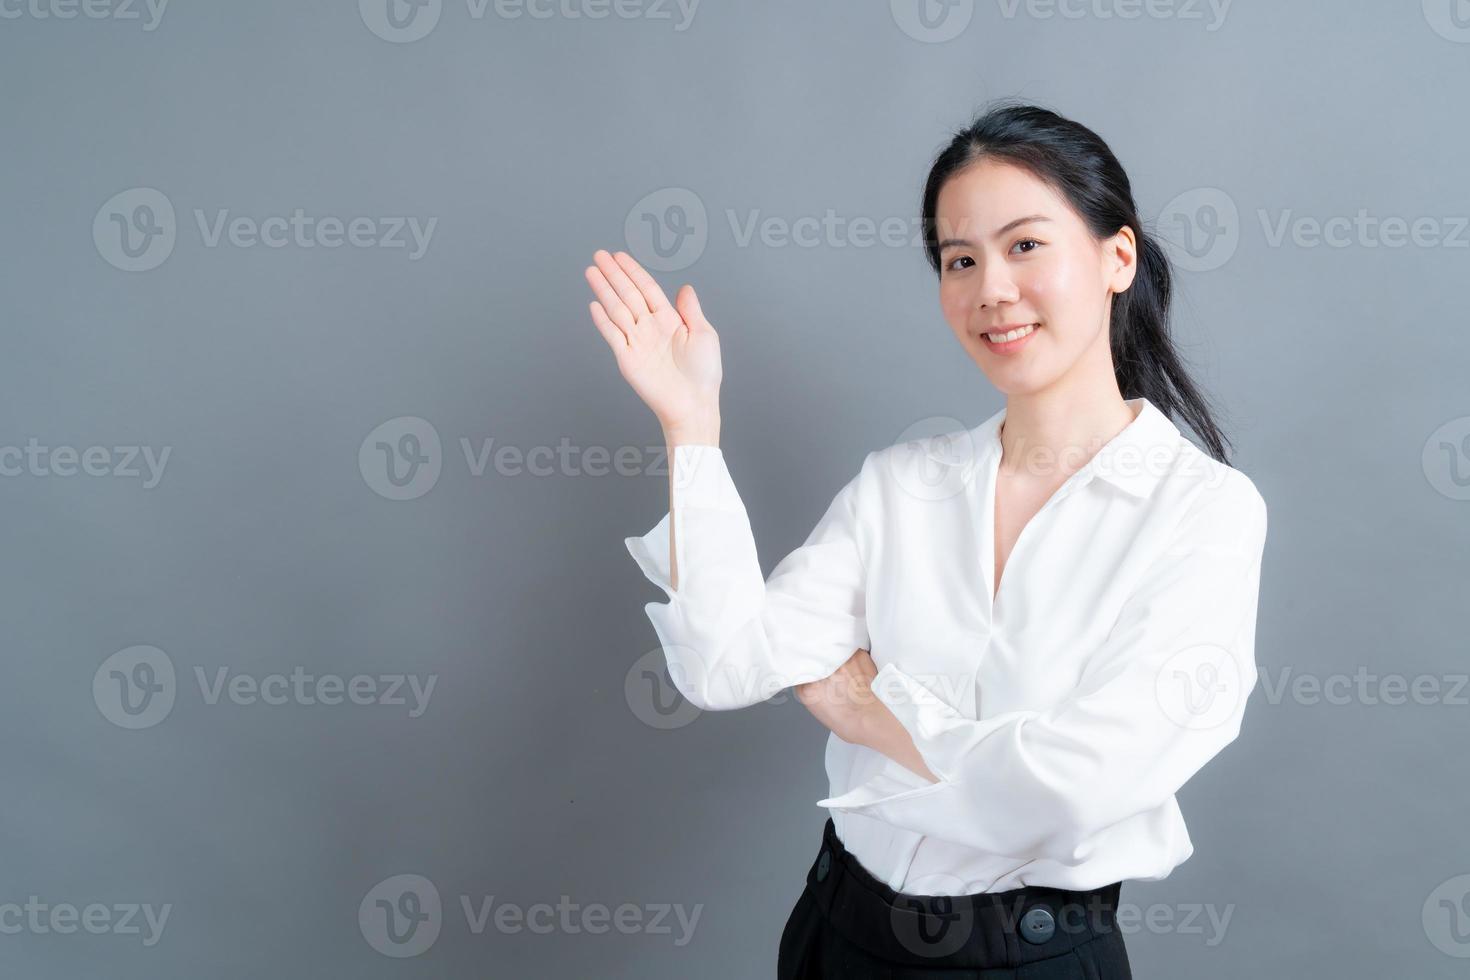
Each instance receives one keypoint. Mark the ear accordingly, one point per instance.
(1120, 260)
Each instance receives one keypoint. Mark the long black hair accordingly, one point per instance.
(1077, 163)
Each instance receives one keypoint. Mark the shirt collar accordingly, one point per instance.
(1134, 460)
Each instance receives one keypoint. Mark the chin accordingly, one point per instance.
(1018, 379)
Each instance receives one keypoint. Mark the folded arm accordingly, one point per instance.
(1163, 695)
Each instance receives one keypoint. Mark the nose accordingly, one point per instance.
(997, 286)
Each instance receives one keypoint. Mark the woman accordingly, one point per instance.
(1060, 603)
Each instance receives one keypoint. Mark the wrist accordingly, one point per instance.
(704, 431)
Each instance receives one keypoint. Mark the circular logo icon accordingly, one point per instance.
(135, 230)
(401, 459)
(933, 459)
(932, 21)
(1199, 687)
(932, 925)
(1449, 19)
(1200, 229)
(1446, 458)
(401, 915)
(400, 21)
(135, 688)
(1447, 917)
(667, 230)
(652, 695)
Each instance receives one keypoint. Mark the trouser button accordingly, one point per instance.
(1038, 925)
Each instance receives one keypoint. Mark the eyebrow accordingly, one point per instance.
(1008, 226)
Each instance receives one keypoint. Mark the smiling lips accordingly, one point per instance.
(1009, 339)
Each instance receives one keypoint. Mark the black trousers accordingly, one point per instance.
(849, 924)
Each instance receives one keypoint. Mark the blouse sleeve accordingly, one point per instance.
(1161, 696)
(731, 638)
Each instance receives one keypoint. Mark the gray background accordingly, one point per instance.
(1329, 832)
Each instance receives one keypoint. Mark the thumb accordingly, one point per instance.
(688, 305)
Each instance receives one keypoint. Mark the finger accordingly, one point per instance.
(652, 294)
(688, 306)
(612, 303)
(631, 296)
(611, 332)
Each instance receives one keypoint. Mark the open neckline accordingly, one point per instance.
(995, 582)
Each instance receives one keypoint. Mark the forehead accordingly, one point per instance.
(989, 193)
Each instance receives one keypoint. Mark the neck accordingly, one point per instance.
(1065, 427)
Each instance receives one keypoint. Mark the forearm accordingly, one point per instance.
(705, 432)
(884, 734)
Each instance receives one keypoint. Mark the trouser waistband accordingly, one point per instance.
(986, 930)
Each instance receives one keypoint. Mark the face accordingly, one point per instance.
(1015, 255)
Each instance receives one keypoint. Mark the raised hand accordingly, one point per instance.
(667, 352)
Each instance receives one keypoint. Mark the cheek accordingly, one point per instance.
(1049, 285)
(954, 305)
(1061, 292)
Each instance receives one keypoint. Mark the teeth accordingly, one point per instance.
(1000, 338)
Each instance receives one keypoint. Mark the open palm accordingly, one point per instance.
(668, 352)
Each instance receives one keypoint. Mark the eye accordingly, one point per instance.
(1024, 241)
(961, 258)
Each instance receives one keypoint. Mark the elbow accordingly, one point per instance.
(707, 686)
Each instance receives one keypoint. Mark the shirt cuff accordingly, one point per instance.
(701, 481)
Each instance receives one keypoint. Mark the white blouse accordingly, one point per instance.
(1060, 714)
